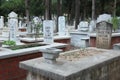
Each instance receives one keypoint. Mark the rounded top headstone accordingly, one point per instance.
(83, 24)
(104, 17)
(12, 14)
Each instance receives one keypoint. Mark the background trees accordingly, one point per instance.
(75, 10)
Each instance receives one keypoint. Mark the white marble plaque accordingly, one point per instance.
(61, 26)
(48, 31)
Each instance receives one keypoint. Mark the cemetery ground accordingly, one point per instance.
(89, 53)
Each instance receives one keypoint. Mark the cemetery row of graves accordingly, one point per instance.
(37, 52)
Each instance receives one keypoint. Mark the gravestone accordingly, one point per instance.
(1, 22)
(20, 24)
(92, 26)
(48, 31)
(83, 26)
(13, 25)
(104, 32)
(61, 26)
(104, 17)
(36, 20)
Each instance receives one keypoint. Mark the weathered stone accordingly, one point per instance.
(104, 66)
(116, 46)
(50, 54)
(104, 32)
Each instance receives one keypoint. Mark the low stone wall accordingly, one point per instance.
(114, 40)
(9, 67)
(105, 66)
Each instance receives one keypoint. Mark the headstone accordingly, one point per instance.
(104, 17)
(1, 22)
(61, 26)
(37, 20)
(48, 31)
(83, 26)
(20, 24)
(92, 26)
(104, 32)
(13, 25)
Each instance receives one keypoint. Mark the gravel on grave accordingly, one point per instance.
(79, 53)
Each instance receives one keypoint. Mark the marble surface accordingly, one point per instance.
(6, 53)
(65, 70)
(113, 34)
(41, 39)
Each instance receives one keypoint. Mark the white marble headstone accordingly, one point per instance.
(1, 22)
(13, 25)
(20, 24)
(61, 26)
(104, 17)
(92, 26)
(83, 26)
(48, 31)
(36, 20)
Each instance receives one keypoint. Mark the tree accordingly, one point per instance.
(27, 11)
(59, 7)
(77, 12)
(12, 5)
(37, 7)
(114, 12)
(93, 9)
(47, 9)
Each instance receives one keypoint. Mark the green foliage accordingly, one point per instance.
(115, 22)
(9, 43)
(36, 7)
(12, 5)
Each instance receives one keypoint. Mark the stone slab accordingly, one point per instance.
(12, 53)
(41, 39)
(113, 34)
(66, 70)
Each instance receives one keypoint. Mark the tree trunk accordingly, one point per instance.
(102, 6)
(114, 11)
(93, 9)
(47, 9)
(77, 12)
(72, 13)
(27, 11)
(59, 12)
(59, 7)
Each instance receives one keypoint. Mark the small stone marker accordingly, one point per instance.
(104, 32)
(61, 26)
(13, 25)
(48, 31)
(50, 54)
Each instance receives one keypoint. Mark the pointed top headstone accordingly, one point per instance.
(12, 14)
